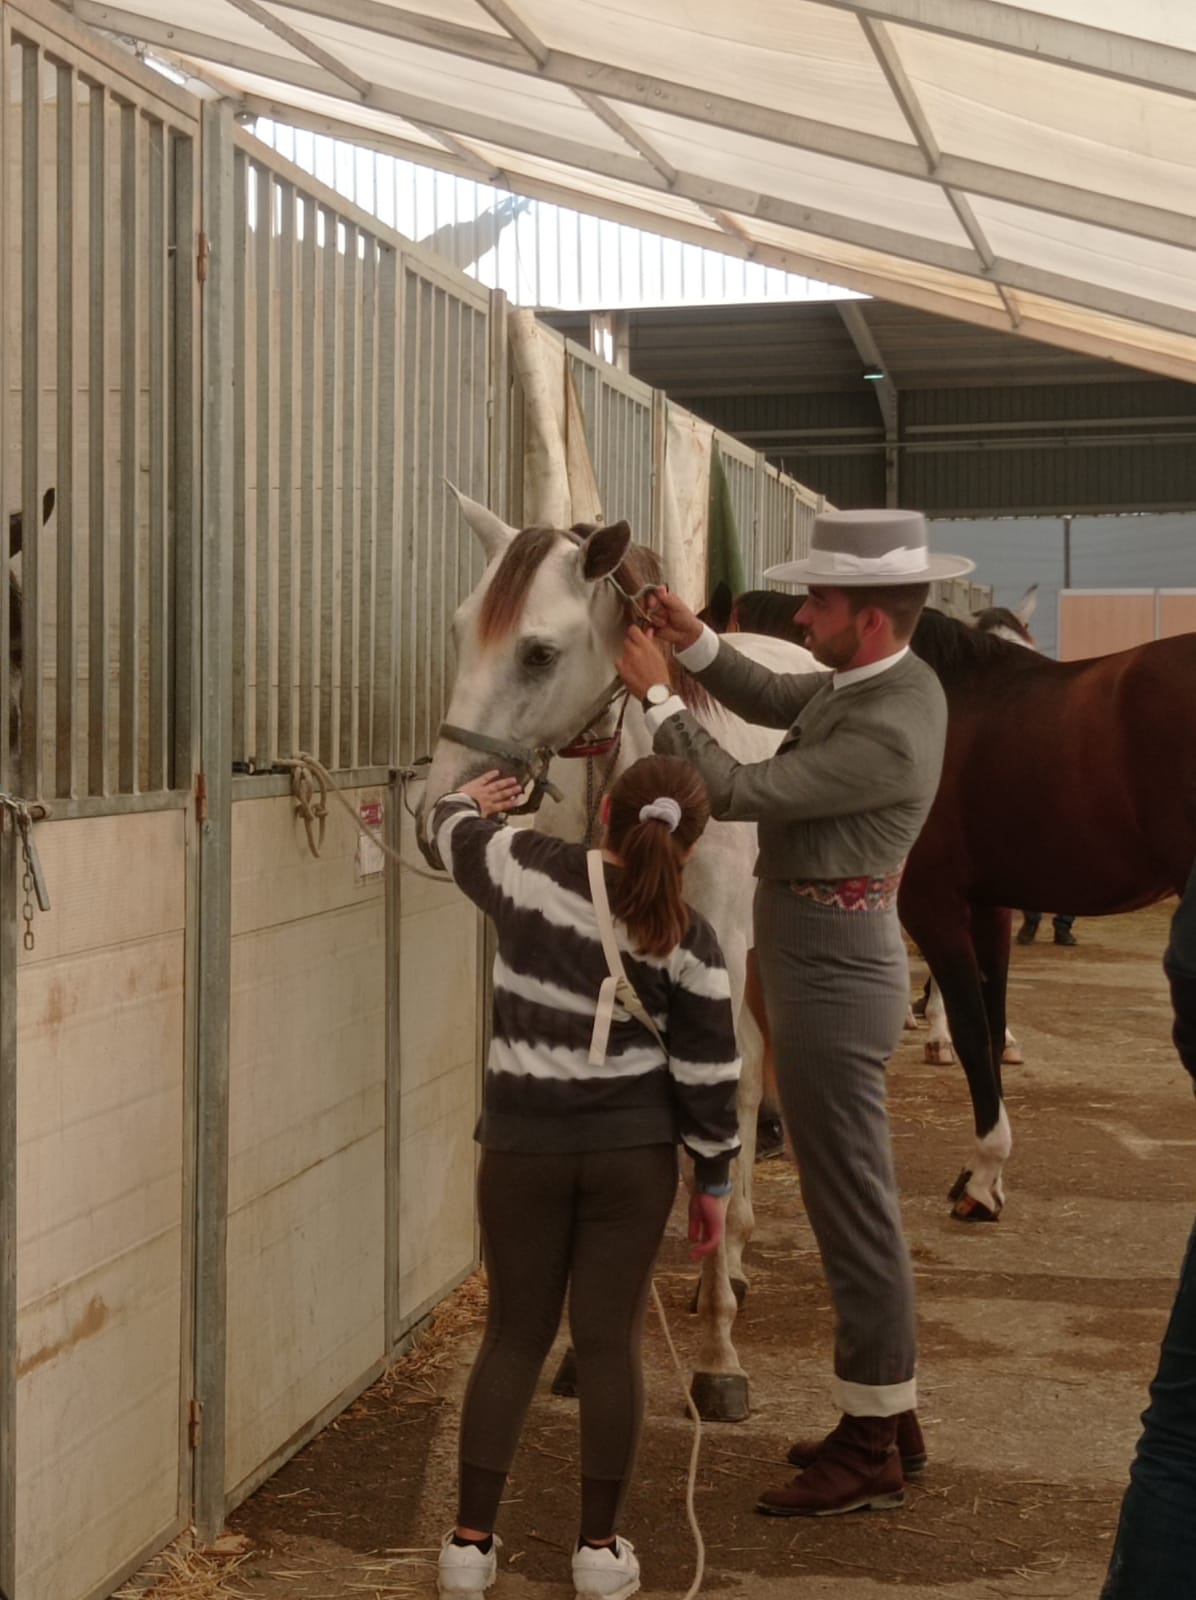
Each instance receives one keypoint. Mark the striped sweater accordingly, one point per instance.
(541, 1092)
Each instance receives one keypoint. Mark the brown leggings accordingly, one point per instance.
(591, 1223)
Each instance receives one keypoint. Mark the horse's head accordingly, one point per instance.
(1009, 623)
(536, 643)
(16, 637)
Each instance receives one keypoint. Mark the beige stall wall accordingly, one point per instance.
(102, 1188)
(1177, 612)
(1098, 623)
(440, 999)
(306, 1232)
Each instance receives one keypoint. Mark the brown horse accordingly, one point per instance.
(1064, 784)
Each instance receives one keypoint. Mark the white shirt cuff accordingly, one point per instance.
(655, 715)
(701, 652)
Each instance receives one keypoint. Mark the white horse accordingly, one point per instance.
(536, 645)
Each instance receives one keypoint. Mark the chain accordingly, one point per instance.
(24, 814)
(27, 938)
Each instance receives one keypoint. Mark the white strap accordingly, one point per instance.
(617, 987)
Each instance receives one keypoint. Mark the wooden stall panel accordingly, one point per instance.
(440, 995)
(1177, 612)
(1098, 623)
(101, 1179)
(306, 1275)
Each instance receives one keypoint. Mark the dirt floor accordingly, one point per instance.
(1038, 1338)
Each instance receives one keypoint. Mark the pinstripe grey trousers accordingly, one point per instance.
(836, 987)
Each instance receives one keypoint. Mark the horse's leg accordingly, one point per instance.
(937, 1049)
(741, 1216)
(943, 935)
(990, 939)
(720, 1385)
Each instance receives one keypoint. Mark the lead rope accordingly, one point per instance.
(303, 768)
(691, 1514)
(618, 988)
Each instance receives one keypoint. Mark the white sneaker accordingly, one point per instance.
(602, 1575)
(464, 1569)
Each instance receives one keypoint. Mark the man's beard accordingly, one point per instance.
(837, 651)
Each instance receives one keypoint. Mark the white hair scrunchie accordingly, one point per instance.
(663, 809)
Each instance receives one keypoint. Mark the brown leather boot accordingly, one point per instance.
(911, 1447)
(858, 1469)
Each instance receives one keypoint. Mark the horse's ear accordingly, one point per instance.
(16, 523)
(494, 533)
(1025, 608)
(603, 551)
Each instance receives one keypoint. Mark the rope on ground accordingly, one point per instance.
(304, 768)
(699, 1543)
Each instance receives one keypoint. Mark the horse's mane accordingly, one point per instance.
(959, 653)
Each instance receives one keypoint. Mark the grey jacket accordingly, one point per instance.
(848, 790)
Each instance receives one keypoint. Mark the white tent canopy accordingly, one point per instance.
(1025, 164)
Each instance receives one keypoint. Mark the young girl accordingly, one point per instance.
(579, 1160)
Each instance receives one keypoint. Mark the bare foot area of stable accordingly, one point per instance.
(1039, 1336)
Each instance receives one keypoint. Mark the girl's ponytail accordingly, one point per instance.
(658, 810)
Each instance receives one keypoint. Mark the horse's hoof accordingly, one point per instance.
(968, 1209)
(911, 1021)
(960, 1184)
(938, 1052)
(1013, 1055)
(720, 1396)
(565, 1382)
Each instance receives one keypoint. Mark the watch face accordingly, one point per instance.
(657, 694)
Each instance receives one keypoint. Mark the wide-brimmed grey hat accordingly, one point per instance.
(854, 549)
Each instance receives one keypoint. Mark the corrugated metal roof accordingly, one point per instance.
(1019, 164)
(981, 423)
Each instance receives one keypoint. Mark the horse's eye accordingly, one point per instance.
(538, 655)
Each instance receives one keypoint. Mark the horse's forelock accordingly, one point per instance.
(507, 593)
(508, 590)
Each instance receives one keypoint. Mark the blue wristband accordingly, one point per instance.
(718, 1190)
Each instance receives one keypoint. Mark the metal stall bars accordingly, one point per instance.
(446, 417)
(99, 308)
(620, 432)
(316, 434)
(776, 526)
(101, 301)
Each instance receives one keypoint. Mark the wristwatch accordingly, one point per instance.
(656, 695)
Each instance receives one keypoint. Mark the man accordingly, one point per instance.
(1063, 922)
(1154, 1557)
(839, 807)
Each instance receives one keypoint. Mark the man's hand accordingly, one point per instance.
(641, 664)
(671, 619)
(707, 1214)
(494, 792)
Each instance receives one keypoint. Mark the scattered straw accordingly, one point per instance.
(182, 1574)
(436, 1347)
